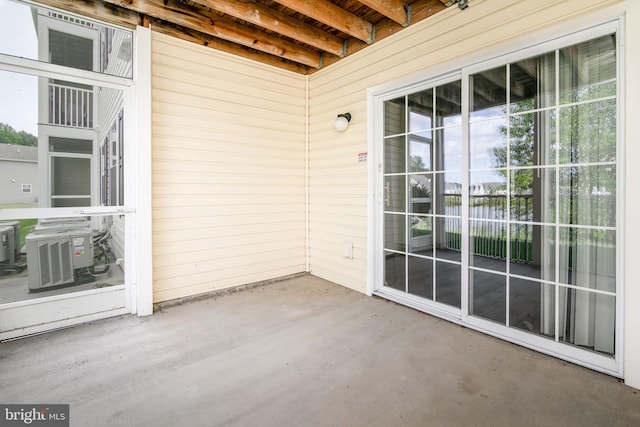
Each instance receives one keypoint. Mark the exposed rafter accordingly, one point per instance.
(208, 23)
(334, 16)
(297, 35)
(392, 9)
(278, 22)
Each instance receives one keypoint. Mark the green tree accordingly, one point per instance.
(9, 135)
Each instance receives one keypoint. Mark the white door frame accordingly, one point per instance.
(376, 96)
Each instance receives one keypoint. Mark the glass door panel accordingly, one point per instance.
(531, 242)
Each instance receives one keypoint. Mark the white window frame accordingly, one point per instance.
(508, 53)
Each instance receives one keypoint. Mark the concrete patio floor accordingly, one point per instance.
(302, 352)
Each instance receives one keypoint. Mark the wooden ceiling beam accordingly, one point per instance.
(96, 9)
(420, 10)
(281, 23)
(333, 16)
(196, 37)
(392, 9)
(209, 23)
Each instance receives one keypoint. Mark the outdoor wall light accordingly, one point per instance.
(342, 122)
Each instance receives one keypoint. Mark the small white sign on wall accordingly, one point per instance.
(362, 157)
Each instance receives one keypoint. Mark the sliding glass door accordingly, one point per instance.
(499, 194)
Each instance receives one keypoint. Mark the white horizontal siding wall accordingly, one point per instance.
(337, 181)
(228, 165)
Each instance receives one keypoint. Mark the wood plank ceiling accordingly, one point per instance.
(297, 35)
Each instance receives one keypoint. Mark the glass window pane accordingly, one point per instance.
(488, 94)
(488, 296)
(448, 149)
(588, 195)
(531, 140)
(532, 195)
(487, 244)
(488, 144)
(588, 70)
(70, 176)
(448, 283)
(532, 307)
(395, 155)
(421, 188)
(588, 258)
(64, 39)
(421, 277)
(421, 110)
(70, 145)
(420, 146)
(448, 102)
(533, 251)
(587, 320)
(533, 83)
(395, 193)
(447, 238)
(588, 132)
(448, 187)
(394, 116)
(394, 271)
(421, 234)
(395, 231)
(70, 50)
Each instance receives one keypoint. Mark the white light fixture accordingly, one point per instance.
(342, 122)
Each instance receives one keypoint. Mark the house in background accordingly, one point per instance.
(18, 174)
(238, 176)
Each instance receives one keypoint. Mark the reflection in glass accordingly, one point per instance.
(448, 238)
(588, 132)
(395, 230)
(420, 152)
(532, 83)
(63, 39)
(587, 320)
(421, 277)
(420, 110)
(449, 149)
(448, 102)
(487, 244)
(487, 296)
(420, 190)
(421, 235)
(532, 307)
(394, 116)
(448, 283)
(588, 70)
(533, 251)
(531, 140)
(395, 155)
(488, 143)
(394, 193)
(448, 188)
(488, 93)
(394, 270)
(587, 195)
(588, 258)
(532, 195)
(52, 256)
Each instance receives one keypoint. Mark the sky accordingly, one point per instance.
(18, 92)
